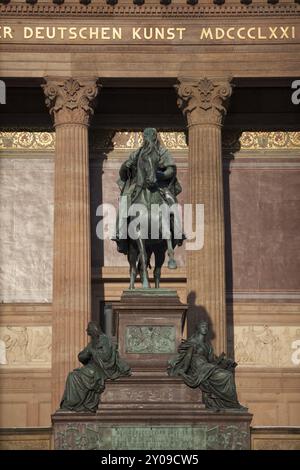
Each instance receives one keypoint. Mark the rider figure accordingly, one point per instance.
(133, 182)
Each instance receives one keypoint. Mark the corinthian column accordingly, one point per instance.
(71, 102)
(203, 102)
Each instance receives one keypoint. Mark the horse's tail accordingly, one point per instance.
(138, 268)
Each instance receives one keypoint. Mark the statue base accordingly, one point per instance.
(149, 409)
(179, 430)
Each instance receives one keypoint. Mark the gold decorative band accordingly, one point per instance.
(261, 140)
(126, 140)
(132, 140)
(27, 140)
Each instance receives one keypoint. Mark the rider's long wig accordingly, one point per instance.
(151, 141)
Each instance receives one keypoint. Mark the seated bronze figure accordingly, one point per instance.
(198, 366)
(100, 361)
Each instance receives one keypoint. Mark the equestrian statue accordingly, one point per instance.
(148, 220)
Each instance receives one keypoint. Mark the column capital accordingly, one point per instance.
(204, 101)
(71, 100)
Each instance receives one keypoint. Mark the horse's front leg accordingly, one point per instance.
(171, 263)
(132, 259)
(132, 276)
(143, 263)
(157, 274)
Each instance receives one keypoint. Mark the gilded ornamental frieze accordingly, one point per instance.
(132, 140)
(232, 140)
(261, 140)
(126, 140)
(108, 140)
(22, 140)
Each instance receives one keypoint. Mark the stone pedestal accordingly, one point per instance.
(149, 326)
(149, 409)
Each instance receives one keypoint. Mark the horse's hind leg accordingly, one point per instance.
(159, 254)
(171, 263)
(132, 259)
(132, 277)
(143, 263)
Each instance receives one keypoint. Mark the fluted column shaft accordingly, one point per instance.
(70, 102)
(203, 102)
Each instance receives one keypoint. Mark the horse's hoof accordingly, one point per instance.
(172, 264)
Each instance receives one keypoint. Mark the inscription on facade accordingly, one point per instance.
(189, 33)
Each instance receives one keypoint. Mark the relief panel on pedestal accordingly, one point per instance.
(150, 339)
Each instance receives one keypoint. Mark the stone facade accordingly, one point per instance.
(236, 144)
(265, 325)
